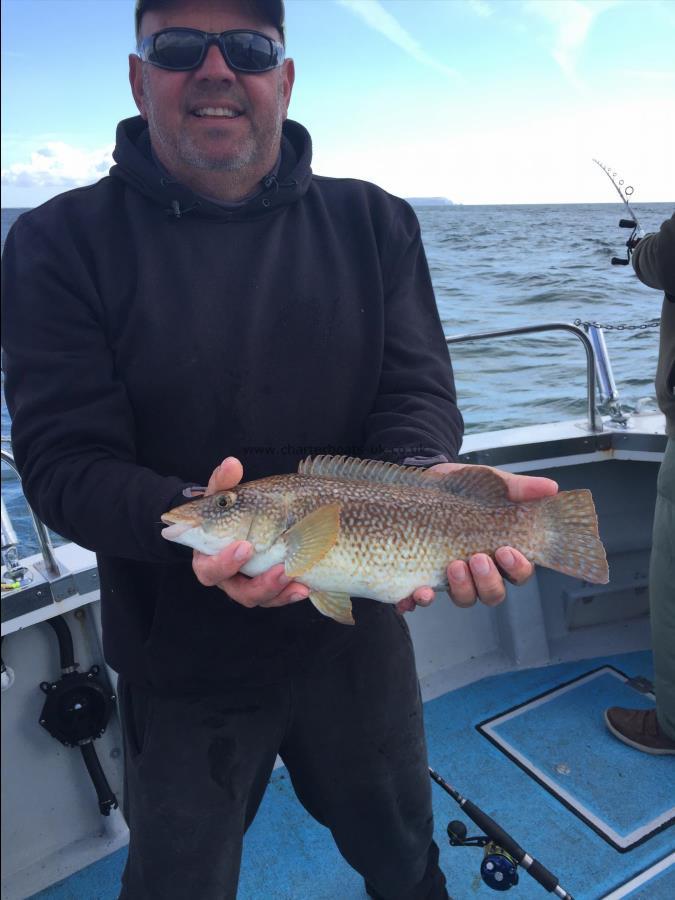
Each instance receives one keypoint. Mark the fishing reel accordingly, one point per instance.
(631, 243)
(499, 870)
(501, 853)
(625, 191)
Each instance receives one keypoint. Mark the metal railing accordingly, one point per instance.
(44, 541)
(594, 363)
(594, 421)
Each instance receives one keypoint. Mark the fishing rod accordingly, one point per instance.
(502, 854)
(624, 192)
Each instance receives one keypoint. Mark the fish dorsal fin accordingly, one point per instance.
(477, 482)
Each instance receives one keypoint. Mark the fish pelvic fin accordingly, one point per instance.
(310, 539)
(568, 526)
(334, 605)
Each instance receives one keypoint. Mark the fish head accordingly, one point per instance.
(216, 520)
(209, 523)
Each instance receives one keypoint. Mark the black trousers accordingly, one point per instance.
(350, 733)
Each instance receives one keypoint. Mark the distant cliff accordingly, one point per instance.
(429, 201)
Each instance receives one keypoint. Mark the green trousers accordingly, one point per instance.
(662, 593)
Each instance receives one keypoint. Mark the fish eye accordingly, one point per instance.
(224, 501)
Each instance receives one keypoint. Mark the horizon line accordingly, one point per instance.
(450, 203)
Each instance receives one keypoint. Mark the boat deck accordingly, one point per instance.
(599, 794)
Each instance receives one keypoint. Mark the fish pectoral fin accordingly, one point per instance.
(311, 538)
(335, 606)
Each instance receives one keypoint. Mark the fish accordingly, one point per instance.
(349, 527)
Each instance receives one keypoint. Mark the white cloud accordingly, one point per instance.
(572, 21)
(376, 16)
(544, 160)
(57, 164)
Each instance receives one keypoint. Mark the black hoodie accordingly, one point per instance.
(149, 333)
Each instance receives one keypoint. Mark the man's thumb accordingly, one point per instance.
(226, 475)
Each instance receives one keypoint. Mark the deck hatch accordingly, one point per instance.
(559, 738)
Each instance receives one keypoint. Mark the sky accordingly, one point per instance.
(479, 101)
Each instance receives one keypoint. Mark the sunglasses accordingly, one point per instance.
(182, 49)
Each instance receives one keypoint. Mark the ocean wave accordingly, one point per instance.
(495, 268)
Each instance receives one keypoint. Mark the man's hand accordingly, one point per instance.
(272, 588)
(480, 579)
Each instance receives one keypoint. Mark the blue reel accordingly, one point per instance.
(498, 870)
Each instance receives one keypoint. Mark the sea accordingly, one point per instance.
(500, 267)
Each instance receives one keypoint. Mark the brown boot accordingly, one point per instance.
(639, 728)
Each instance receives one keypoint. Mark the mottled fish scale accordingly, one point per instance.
(352, 527)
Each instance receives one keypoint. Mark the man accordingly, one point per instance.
(653, 730)
(213, 295)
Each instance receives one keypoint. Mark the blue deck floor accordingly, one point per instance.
(290, 857)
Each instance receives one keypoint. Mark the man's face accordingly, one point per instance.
(184, 110)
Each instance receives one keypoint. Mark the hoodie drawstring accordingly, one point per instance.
(176, 211)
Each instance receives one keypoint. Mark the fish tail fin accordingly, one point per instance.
(568, 526)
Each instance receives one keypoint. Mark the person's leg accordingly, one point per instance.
(662, 594)
(653, 731)
(195, 774)
(431, 886)
(356, 755)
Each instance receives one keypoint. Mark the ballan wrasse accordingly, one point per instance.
(349, 527)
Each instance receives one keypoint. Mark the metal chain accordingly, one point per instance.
(650, 323)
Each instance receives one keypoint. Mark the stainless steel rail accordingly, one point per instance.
(46, 548)
(594, 421)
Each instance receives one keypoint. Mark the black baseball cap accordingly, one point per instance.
(271, 10)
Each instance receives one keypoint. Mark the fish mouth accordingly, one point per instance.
(170, 517)
(180, 515)
(174, 529)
